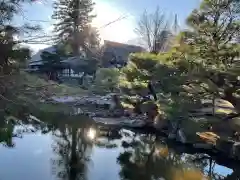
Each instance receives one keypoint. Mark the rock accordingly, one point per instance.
(101, 114)
(225, 145)
(126, 113)
(181, 136)
(150, 108)
(208, 137)
(171, 136)
(159, 122)
(178, 135)
(236, 150)
(84, 100)
(119, 122)
(203, 146)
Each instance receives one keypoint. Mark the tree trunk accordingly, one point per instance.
(233, 100)
(73, 161)
(76, 44)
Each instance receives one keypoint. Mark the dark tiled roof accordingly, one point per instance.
(120, 50)
(36, 58)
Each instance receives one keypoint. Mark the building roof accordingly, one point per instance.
(121, 50)
(75, 61)
(36, 58)
(122, 45)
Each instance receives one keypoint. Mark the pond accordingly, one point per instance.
(74, 148)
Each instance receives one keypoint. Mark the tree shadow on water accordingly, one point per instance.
(147, 158)
(72, 150)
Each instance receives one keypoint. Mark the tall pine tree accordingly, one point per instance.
(13, 56)
(73, 18)
(212, 51)
(11, 53)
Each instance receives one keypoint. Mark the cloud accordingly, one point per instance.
(120, 31)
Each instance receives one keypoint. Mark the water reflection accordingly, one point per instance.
(146, 158)
(91, 133)
(79, 150)
(72, 145)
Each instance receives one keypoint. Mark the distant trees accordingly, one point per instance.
(154, 30)
(73, 20)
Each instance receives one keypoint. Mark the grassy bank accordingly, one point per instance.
(52, 87)
(27, 91)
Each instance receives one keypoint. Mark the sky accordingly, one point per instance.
(107, 11)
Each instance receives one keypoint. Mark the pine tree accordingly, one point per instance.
(216, 27)
(73, 19)
(211, 50)
(12, 54)
(92, 42)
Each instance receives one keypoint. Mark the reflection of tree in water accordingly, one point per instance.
(16, 125)
(210, 169)
(149, 159)
(71, 145)
(144, 157)
(107, 138)
(139, 160)
(6, 133)
(73, 150)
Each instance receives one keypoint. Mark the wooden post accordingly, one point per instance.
(213, 102)
(210, 168)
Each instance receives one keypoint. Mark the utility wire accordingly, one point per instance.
(116, 20)
(47, 21)
(43, 36)
(111, 22)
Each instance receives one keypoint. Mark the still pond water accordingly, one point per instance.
(75, 149)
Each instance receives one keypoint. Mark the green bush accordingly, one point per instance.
(106, 80)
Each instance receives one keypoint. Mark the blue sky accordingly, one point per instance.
(109, 10)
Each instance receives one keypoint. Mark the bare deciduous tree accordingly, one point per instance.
(153, 29)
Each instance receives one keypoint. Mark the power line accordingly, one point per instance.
(48, 21)
(33, 41)
(33, 20)
(116, 20)
(104, 26)
(38, 20)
